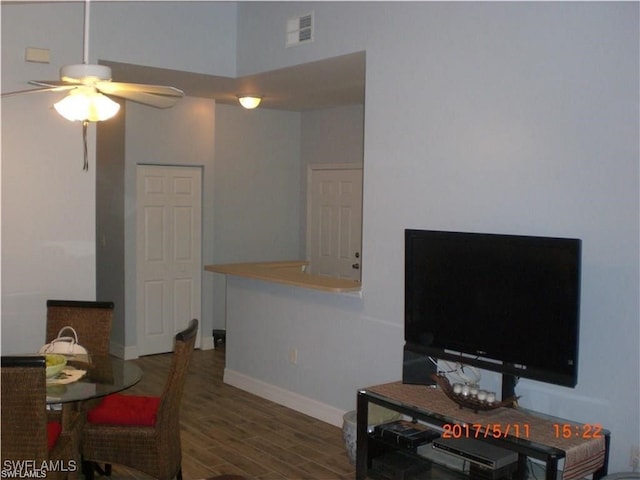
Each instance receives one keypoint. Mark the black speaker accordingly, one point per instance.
(417, 368)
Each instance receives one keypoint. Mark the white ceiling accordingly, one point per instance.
(322, 84)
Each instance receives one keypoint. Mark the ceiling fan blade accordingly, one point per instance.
(151, 99)
(54, 83)
(115, 88)
(47, 88)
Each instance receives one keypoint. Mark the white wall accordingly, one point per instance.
(190, 36)
(57, 26)
(498, 117)
(48, 218)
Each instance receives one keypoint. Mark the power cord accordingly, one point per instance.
(465, 373)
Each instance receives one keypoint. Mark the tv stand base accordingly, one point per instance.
(433, 407)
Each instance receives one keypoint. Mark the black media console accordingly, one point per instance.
(501, 440)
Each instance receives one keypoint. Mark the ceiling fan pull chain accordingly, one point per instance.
(85, 167)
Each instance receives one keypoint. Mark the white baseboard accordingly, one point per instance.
(292, 400)
(206, 343)
(120, 351)
(131, 352)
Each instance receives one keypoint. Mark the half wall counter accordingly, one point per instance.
(288, 273)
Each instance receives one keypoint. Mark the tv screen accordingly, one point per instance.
(507, 303)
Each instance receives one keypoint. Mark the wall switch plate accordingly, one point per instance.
(293, 356)
(37, 55)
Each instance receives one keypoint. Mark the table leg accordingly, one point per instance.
(87, 470)
(72, 420)
(362, 440)
(602, 471)
(522, 473)
(552, 469)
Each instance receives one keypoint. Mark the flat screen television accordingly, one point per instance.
(505, 303)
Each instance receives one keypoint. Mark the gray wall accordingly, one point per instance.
(257, 185)
(333, 135)
(110, 239)
(498, 117)
(256, 192)
(182, 135)
(261, 173)
(506, 117)
(329, 135)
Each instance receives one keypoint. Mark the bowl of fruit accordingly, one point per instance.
(55, 364)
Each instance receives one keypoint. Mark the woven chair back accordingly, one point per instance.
(168, 412)
(154, 450)
(92, 322)
(23, 409)
(168, 423)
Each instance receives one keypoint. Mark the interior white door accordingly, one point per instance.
(168, 255)
(334, 221)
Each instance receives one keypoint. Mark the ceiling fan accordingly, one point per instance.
(88, 84)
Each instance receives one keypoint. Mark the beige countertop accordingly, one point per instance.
(288, 273)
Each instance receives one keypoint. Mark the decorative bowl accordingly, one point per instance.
(55, 364)
(470, 402)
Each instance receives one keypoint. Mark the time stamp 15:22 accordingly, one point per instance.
(519, 430)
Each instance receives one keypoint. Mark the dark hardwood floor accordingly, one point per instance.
(228, 431)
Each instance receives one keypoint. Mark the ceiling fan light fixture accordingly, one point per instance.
(249, 101)
(85, 104)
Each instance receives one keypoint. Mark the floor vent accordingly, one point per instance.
(300, 30)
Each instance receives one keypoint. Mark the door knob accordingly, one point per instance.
(355, 266)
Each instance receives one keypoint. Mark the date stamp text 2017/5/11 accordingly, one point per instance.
(485, 430)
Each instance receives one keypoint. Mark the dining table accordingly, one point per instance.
(83, 380)
(75, 389)
(88, 377)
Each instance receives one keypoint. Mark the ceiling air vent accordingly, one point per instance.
(300, 30)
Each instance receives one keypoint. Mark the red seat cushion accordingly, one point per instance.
(117, 409)
(53, 432)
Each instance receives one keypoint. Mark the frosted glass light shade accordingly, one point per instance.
(86, 105)
(250, 102)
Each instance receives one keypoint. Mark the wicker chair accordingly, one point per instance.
(25, 426)
(113, 435)
(91, 321)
